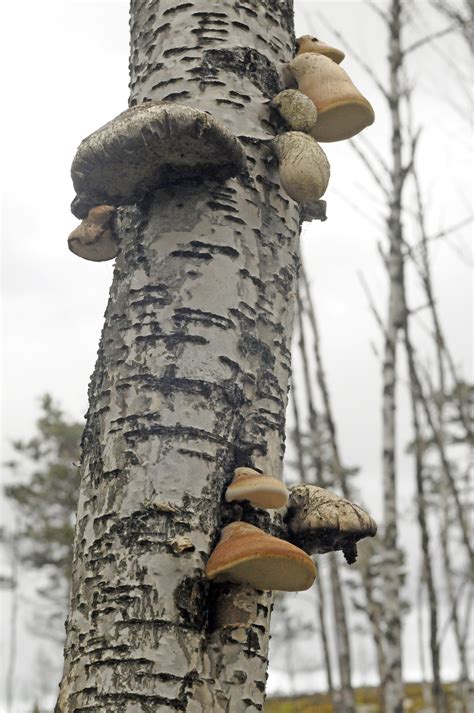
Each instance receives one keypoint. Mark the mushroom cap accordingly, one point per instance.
(321, 521)
(297, 109)
(303, 166)
(342, 110)
(306, 43)
(151, 145)
(263, 491)
(94, 239)
(247, 555)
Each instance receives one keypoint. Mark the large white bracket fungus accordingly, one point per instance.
(247, 555)
(95, 238)
(262, 491)
(151, 145)
(303, 166)
(319, 521)
(342, 110)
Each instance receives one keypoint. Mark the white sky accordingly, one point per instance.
(66, 74)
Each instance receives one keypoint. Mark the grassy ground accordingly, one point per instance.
(367, 701)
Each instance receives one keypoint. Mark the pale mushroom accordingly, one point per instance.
(342, 110)
(320, 521)
(262, 491)
(94, 238)
(306, 43)
(296, 109)
(303, 166)
(247, 555)
(151, 145)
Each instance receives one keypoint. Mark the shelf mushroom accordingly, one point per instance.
(260, 490)
(296, 109)
(320, 521)
(247, 555)
(306, 43)
(303, 166)
(342, 110)
(151, 145)
(94, 238)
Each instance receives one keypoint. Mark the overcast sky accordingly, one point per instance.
(66, 74)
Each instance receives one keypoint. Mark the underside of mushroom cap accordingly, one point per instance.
(260, 490)
(151, 145)
(343, 119)
(320, 521)
(247, 555)
(342, 110)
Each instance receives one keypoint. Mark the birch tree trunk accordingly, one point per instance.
(191, 381)
(393, 687)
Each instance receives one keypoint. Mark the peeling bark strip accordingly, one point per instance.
(191, 380)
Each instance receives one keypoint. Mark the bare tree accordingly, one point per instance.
(191, 381)
(323, 476)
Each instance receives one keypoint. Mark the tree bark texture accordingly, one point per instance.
(191, 381)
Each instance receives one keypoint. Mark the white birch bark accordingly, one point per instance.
(191, 380)
(393, 685)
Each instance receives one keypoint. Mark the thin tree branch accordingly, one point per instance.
(367, 163)
(429, 38)
(378, 11)
(355, 55)
(370, 146)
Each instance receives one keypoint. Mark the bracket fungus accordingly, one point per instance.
(247, 555)
(148, 146)
(306, 43)
(296, 109)
(320, 521)
(342, 110)
(94, 239)
(262, 491)
(303, 166)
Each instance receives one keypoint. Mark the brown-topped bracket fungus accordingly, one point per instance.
(342, 110)
(306, 43)
(319, 521)
(247, 555)
(94, 239)
(296, 109)
(148, 146)
(262, 491)
(303, 166)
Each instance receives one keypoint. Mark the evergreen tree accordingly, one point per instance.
(44, 487)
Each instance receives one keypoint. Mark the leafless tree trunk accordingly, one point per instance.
(437, 691)
(338, 469)
(445, 538)
(320, 596)
(393, 685)
(191, 381)
(442, 353)
(347, 699)
(12, 639)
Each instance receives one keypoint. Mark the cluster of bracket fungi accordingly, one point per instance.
(159, 143)
(317, 521)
